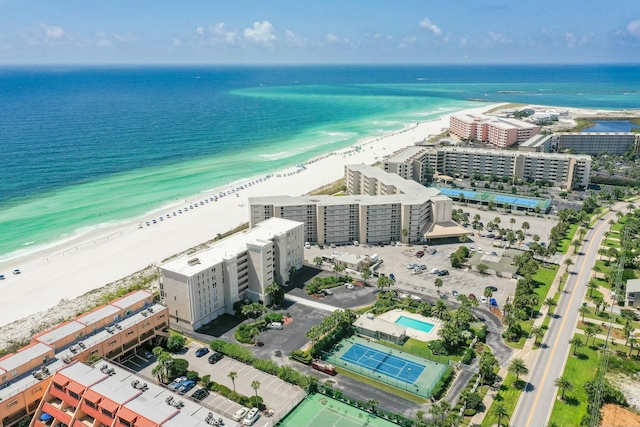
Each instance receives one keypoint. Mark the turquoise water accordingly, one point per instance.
(88, 147)
(415, 324)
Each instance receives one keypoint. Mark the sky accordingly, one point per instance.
(319, 32)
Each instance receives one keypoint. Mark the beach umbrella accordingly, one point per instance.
(45, 417)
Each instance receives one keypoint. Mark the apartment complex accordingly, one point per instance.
(106, 395)
(198, 288)
(496, 131)
(564, 170)
(378, 207)
(114, 331)
(592, 143)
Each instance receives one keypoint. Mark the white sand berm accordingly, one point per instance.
(93, 260)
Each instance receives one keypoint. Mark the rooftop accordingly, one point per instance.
(230, 247)
(406, 154)
(406, 186)
(24, 356)
(104, 312)
(633, 285)
(131, 299)
(59, 332)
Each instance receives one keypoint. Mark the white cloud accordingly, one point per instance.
(54, 32)
(408, 41)
(498, 38)
(200, 31)
(261, 33)
(570, 38)
(221, 35)
(105, 43)
(634, 28)
(295, 40)
(332, 38)
(426, 23)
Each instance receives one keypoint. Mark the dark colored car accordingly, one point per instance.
(186, 386)
(455, 294)
(420, 254)
(215, 357)
(443, 273)
(493, 302)
(492, 288)
(200, 393)
(202, 351)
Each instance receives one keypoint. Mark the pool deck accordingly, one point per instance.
(393, 315)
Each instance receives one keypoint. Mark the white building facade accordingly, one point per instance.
(200, 287)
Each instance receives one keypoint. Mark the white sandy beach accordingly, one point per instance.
(103, 256)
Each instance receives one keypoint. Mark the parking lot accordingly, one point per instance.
(276, 393)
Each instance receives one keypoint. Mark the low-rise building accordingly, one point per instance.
(114, 330)
(633, 293)
(199, 287)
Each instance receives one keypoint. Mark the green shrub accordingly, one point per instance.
(234, 351)
(273, 317)
(193, 375)
(468, 356)
(443, 384)
(482, 334)
(268, 366)
(245, 334)
(175, 343)
(301, 356)
(178, 368)
(256, 402)
(469, 412)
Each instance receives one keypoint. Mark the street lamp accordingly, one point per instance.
(407, 379)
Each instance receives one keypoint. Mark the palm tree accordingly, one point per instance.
(232, 376)
(583, 310)
(632, 342)
(577, 343)
(525, 226)
(591, 285)
(255, 385)
(318, 261)
(512, 221)
(536, 332)
(517, 367)
(438, 283)
(463, 239)
(591, 331)
(568, 262)
(500, 411)
(564, 385)
(550, 303)
(440, 310)
(487, 293)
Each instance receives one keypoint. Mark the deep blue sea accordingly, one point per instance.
(86, 146)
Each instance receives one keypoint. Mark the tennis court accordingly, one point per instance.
(386, 363)
(319, 410)
(391, 366)
(483, 197)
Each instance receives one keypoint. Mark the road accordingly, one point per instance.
(539, 396)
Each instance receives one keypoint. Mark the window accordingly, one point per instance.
(124, 422)
(107, 413)
(58, 386)
(74, 395)
(90, 404)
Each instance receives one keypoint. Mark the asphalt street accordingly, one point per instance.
(536, 403)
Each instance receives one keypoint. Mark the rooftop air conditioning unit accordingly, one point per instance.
(193, 261)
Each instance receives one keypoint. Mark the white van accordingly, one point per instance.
(251, 417)
(307, 245)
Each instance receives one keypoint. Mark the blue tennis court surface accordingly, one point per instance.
(385, 363)
(516, 201)
(456, 193)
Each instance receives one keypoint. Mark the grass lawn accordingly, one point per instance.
(544, 276)
(591, 294)
(564, 243)
(612, 243)
(578, 370)
(421, 349)
(509, 396)
(381, 386)
(617, 227)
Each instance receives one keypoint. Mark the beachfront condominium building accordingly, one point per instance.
(378, 207)
(496, 131)
(106, 394)
(564, 170)
(199, 287)
(592, 143)
(114, 331)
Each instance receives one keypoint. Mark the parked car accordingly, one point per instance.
(202, 351)
(483, 300)
(274, 325)
(177, 383)
(492, 288)
(443, 273)
(200, 393)
(1, 276)
(435, 271)
(420, 254)
(326, 291)
(455, 294)
(186, 386)
(480, 250)
(493, 302)
(432, 251)
(16, 271)
(411, 266)
(349, 286)
(146, 355)
(215, 357)
(240, 413)
(251, 417)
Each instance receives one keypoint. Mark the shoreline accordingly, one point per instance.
(110, 253)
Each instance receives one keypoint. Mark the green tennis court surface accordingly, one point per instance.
(320, 410)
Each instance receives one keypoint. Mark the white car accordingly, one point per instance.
(411, 266)
(274, 325)
(483, 300)
(480, 250)
(307, 245)
(251, 417)
(350, 286)
(240, 413)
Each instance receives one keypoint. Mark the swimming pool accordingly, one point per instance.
(415, 324)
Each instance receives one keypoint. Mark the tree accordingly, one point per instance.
(550, 303)
(318, 261)
(383, 282)
(372, 404)
(275, 293)
(517, 367)
(404, 233)
(592, 285)
(525, 226)
(163, 365)
(488, 363)
(339, 267)
(512, 221)
(564, 385)
(499, 410)
(292, 273)
(253, 310)
(440, 310)
(488, 293)
(568, 262)
(232, 376)
(537, 332)
(577, 343)
(591, 331)
(175, 343)
(438, 282)
(632, 342)
(482, 268)
(366, 273)
(583, 310)
(463, 238)
(255, 385)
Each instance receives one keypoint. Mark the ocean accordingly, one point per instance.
(87, 147)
